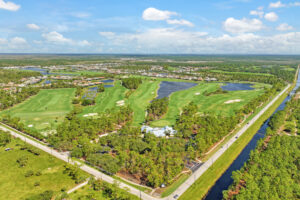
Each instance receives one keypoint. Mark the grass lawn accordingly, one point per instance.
(140, 99)
(214, 103)
(14, 185)
(82, 193)
(46, 109)
(199, 189)
(107, 99)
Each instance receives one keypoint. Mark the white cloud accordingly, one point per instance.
(81, 15)
(33, 27)
(271, 16)
(259, 13)
(180, 22)
(55, 37)
(171, 40)
(17, 43)
(3, 41)
(84, 43)
(154, 14)
(295, 4)
(9, 6)
(277, 4)
(107, 34)
(284, 27)
(18, 40)
(244, 25)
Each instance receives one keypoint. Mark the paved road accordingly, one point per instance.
(131, 189)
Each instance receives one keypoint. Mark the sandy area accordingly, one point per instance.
(233, 101)
(90, 115)
(121, 103)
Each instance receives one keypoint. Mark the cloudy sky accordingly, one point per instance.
(150, 26)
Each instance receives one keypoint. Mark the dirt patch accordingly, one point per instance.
(233, 101)
(131, 177)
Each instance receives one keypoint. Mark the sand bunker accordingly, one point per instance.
(90, 115)
(120, 103)
(233, 101)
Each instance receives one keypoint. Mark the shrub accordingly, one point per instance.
(22, 161)
(38, 173)
(29, 173)
(37, 184)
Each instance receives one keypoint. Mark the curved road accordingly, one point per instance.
(132, 190)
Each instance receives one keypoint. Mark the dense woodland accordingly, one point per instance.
(273, 170)
(15, 76)
(11, 98)
(157, 108)
(131, 83)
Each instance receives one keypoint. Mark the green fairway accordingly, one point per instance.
(45, 110)
(14, 185)
(140, 99)
(107, 100)
(218, 103)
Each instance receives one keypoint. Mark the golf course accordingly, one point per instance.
(45, 110)
(222, 104)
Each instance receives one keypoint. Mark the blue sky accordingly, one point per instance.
(150, 26)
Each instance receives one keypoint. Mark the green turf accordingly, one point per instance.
(14, 185)
(214, 103)
(45, 110)
(170, 189)
(140, 99)
(107, 100)
(87, 192)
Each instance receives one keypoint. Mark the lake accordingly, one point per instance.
(167, 88)
(237, 86)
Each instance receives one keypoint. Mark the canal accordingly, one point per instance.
(225, 180)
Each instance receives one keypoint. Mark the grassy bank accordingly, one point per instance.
(199, 189)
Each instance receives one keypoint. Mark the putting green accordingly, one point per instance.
(45, 110)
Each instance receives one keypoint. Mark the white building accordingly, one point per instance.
(159, 132)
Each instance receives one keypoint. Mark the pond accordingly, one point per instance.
(45, 71)
(107, 81)
(237, 86)
(167, 88)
